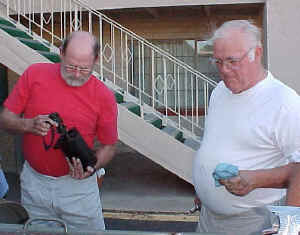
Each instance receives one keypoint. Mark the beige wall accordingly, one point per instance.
(283, 34)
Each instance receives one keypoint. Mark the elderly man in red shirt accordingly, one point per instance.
(50, 185)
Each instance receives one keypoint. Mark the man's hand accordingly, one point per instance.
(14, 123)
(239, 185)
(40, 125)
(76, 169)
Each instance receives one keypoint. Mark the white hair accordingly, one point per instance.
(252, 32)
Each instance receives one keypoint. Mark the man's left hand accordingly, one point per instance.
(76, 169)
(239, 185)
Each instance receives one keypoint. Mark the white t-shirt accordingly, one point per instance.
(256, 129)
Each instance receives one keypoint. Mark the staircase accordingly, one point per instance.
(143, 96)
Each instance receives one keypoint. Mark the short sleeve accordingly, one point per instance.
(18, 97)
(287, 132)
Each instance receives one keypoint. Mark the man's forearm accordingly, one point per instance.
(293, 192)
(104, 155)
(12, 122)
(278, 177)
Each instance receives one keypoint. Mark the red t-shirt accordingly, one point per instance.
(90, 108)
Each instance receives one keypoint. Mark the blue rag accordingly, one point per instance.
(224, 171)
(3, 184)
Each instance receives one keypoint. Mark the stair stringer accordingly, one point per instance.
(17, 56)
(155, 144)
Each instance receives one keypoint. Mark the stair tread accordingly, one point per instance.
(153, 119)
(129, 104)
(15, 31)
(34, 44)
(4, 21)
(172, 131)
(192, 143)
(54, 57)
(133, 107)
(119, 97)
(150, 117)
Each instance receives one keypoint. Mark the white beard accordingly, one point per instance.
(72, 81)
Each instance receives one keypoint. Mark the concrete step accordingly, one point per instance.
(13, 31)
(192, 143)
(34, 44)
(6, 22)
(132, 107)
(54, 57)
(172, 131)
(119, 97)
(153, 119)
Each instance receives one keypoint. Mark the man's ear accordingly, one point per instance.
(61, 53)
(258, 53)
(96, 59)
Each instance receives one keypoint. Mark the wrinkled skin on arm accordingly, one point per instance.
(39, 125)
(293, 191)
(287, 176)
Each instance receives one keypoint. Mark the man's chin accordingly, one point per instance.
(75, 83)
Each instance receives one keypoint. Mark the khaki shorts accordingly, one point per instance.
(76, 202)
(251, 222)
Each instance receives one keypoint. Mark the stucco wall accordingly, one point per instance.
(283, 37)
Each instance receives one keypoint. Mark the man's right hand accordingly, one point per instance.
(40, 125)
(14, 123)
(240, 185)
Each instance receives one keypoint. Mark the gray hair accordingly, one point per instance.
(252, 32)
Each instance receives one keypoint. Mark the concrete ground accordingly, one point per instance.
(136, 188)
(133, 182)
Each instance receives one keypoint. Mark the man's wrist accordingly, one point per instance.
(25, 126)
(251, 178)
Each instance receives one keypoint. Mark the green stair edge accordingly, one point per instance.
(177, 134)
(15, 32)
(4, 21)
(132, 107)
(34, 44)
(28, 40)
(154, 120)
(54, 57)
(119, 97)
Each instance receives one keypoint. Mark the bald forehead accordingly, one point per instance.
(79, 35)
(82, 42)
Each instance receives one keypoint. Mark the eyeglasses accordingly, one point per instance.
(231, 62)
(72, 68)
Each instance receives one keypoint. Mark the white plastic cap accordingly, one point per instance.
(100, 172)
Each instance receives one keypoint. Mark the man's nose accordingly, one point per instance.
(77, 72)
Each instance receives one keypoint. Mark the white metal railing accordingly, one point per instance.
(157, 80)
